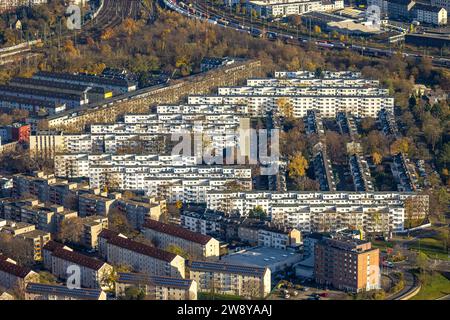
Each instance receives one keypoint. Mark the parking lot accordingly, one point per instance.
(306, 291)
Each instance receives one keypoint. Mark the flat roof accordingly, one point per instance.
(57, 85)
(139, 278)
(226, 267)
(30, 101)
(259, 256)
(8, 90)
(86, 78)
(87, 294)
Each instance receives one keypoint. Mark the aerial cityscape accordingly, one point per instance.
(261, 151)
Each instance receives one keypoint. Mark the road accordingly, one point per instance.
(198, 10)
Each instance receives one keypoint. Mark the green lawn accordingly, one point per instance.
(382, 245)
(437, 286)
(433, 248)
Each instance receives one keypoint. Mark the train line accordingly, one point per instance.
(201, 11)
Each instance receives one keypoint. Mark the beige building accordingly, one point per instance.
(143, 258)
(13, 276)
(197, 245)
(138, 210)
(92, 226)
(39, 291)
(95, 204)
(34, 239)
(240, 280)
(157, 288)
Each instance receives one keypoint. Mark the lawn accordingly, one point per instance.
(382, 245)
(433, 248)
(437, 286)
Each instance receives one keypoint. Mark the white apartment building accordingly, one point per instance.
(277, 8)
(328, 92)
(312, 82)
(319, 211)
(303, 74)
(6, 5)
(430, 14)
(142, 258)
(171, 177)
(222, 278)
(328, 106)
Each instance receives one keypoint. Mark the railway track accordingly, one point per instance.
(202, 11)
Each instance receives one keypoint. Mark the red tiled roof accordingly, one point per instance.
(52, 245)
(78, 258)
(108, 234)
(178, 232)
(142, 248)
(12, 268)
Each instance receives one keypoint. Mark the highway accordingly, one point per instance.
(198, 10)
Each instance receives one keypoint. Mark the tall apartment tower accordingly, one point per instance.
(349, 264)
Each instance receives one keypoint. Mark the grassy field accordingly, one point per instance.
(382, 245)
(437, 286)
(433, 248)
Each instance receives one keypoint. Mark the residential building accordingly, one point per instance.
(350, 265)
(280, 8)
(33, 239)
(441, 4)
(209, 63)
(142, 258)
(14, 276)
(430, 14)
(93, 272)
(400, 9)
(230, 279)
(95, 204)
(7, 5)
(169, 177)
(197, 245)
(375, 212)
(40, 291)
(92, 227)
(36, 240)
(157, 288)
(138, 210)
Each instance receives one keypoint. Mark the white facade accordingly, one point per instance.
(329, 92)
(316, 211)
(430, 15)
(277, 8)
(171, 177)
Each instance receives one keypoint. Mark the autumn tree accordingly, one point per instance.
(297, 167)
(285, 108)
(178, 251)
(399, 146)
(71, 230)
(118, 222)
(377, 158)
